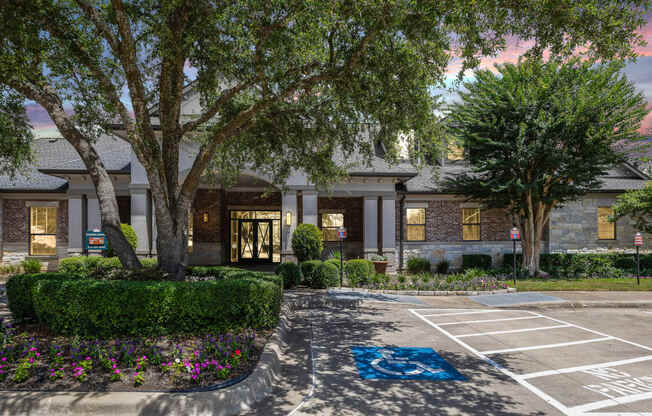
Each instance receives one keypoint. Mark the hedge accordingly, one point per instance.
(585, 264)
(291, 274)
(325, 275)
(19, 292)
(227, 272)
(417, 265)
(476, 261)
(95, 265)
(358, 271)
(308, 269)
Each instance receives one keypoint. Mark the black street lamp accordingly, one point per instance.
(514, 235)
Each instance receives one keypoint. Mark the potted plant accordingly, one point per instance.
(380, 263)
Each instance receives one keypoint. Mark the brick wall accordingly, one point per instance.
(15, 221)
(353, 214)
(62, 223)
(207, 202)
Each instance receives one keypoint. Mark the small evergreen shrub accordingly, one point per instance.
(325, 276)
(291, 274)
(416, 265)
(358, 271)
(308, 270)
(307, 242)
(477, 261)
(19, 292)
(443, 267)
(31, 265)
(130, 235)
(335, 262)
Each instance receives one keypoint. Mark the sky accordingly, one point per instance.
(639, 72)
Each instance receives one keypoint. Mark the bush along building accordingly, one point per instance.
(391, 210)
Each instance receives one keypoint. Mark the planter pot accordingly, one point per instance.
(380, 266)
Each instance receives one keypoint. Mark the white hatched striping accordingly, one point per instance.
(489, 320)
(586, 367)
(512, 331)
(473, 312)
(610, 402)
(539, 347)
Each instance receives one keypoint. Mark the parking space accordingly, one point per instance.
(577, 369)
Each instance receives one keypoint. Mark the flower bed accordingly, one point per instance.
(470, 280)
(34, 361)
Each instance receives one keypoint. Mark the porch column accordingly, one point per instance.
(93, 212)
(75, 232)
(389, 232)
(370, 226)
(139, 213)
(310, 207)
(289, 206)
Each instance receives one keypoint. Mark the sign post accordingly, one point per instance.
(341, 233)
(514, 235)
(95, 241)
(638, 242)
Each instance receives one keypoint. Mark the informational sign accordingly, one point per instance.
(341, 233)
(638, 239)
(96, 240)
(514, 234)
(403, 364)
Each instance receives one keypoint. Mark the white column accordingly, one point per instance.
(75, 232)
(389, 232)
(310, 212)
(139, 213)
(93, 212)
(370, 226)
(289, 206)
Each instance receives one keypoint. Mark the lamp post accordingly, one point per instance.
(638, 242)
(341, 233)
(514, 235)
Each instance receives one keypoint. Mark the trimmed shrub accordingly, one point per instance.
(307, 242)
(416, 265)
(19, 292)
(582, 264)
(229, 273)
(130, 235)
(308, 270)
(443, 267)
(325, 276)
(476, 261)
(95, 266)
(104, 308)
(358, 271)
(31, 265)
(291, 274)
(335, 262)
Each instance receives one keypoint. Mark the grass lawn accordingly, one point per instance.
(621, 284)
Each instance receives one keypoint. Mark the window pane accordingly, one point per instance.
(51, 220)
(416, 232)
(470, 215)
(332, 220)
(43, 245)
(416, 215)
(606, 229)
(330, 234)
(471, 232)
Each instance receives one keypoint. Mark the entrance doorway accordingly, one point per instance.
(255, 237)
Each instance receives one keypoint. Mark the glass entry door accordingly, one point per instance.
(255, 240)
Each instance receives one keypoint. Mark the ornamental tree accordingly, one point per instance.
(283, 83)
(637, 205)
(540, 134)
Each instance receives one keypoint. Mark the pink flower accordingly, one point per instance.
(88, 358)
(114, 366)
(136, 374)
(38, 354)
(117, 371)
(194, 376)
(32, 349)
(3, 359)
(31, 359)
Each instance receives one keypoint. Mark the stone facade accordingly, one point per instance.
(208, 205)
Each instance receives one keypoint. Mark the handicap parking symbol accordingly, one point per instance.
(403, 364)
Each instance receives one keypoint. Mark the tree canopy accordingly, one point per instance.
(283, 84)
(539, 134)
(637, 205)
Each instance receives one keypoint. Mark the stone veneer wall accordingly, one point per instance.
(353, 211)
(575, 226)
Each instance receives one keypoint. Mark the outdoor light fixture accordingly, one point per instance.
(288, 218)
(205, 217)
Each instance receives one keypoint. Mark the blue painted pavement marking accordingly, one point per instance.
(348, 294)
(507, 299)
(403, 364)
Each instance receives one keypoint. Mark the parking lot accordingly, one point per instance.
(558, 361)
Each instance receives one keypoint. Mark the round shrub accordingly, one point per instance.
(31, 265)
(335, 262)
(308, 270)
(130, 235)
(291, 274)
(307, 242)
(416, 265)
(358, 271)
(325, 276)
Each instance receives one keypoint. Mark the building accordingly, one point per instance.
(390, 210)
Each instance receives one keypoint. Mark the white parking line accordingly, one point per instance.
(512, 331)
(581, 410)
(489, 320)
(543, 346)
(464, 313)
(586, 367)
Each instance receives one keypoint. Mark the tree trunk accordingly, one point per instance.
(532, 226)
(172, 235)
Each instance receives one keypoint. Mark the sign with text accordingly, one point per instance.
(638, 239)
(514, 234)
(341, 233)
(96, 240)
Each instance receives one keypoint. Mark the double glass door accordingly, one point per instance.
(255, 240)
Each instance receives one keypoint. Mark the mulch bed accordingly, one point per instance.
(166, 364)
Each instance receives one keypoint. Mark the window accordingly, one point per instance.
(455, 152)
(606, 229)
(43, 231)
(191, 228)
(471, 224)
(330, 222)
(416, 224)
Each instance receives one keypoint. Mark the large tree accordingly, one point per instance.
(540, 134)
(637, 205)
(283, 83)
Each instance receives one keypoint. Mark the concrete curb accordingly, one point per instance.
(581, 305)
(229, 401)
(427, 292)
